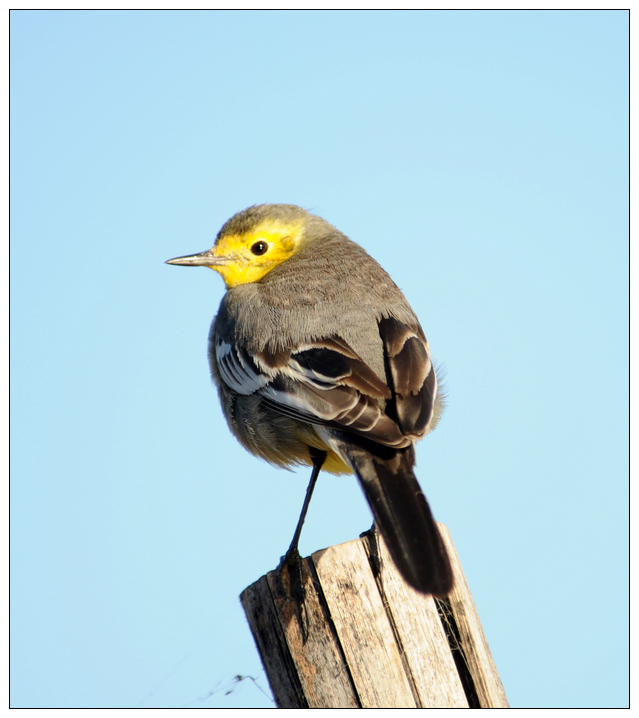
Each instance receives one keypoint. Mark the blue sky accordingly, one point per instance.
(482, 159)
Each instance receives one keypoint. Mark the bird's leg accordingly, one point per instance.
(292, 560)
(318, 458)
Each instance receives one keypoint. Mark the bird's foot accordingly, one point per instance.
(291, 576)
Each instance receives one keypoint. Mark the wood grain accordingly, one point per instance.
(481, 666)
(421, 637)
(313, 644)
(346, 631)
(363, 627)
(271, 644)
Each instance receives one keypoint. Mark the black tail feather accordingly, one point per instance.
(403, 516)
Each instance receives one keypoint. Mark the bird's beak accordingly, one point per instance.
(203, 259)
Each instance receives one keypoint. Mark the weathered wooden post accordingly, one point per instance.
(359, 636)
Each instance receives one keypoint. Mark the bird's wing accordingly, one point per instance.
(412, 374)
(325, 382)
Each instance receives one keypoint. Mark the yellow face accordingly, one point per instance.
(246, 258)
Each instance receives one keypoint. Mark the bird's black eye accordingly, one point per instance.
(259, 248)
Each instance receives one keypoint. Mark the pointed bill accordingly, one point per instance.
(203, 259)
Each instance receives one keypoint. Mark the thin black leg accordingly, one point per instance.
(290, 568)
(318, 458)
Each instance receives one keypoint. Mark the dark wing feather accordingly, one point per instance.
(412, 375)
(327, 363)
(326, 383)
(340, 406)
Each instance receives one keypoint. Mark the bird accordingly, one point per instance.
(319, 360)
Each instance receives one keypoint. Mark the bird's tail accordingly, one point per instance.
(401, 513)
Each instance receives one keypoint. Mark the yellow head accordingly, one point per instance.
(254, 242)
